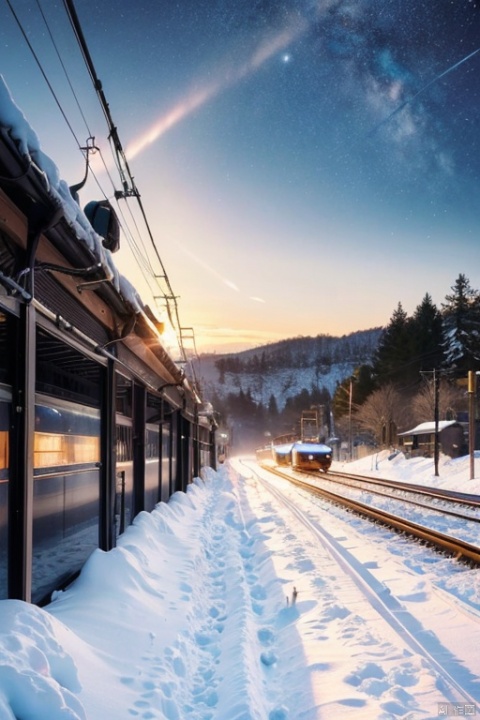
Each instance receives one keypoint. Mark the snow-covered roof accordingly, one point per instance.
(428, 427)
(16, 124)
(17, 131)
(311, 447)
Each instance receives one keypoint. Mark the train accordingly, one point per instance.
(302, 451)
(311, 456)
(308, 456)
(98, 422)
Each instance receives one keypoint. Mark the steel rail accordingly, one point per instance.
(402, 487)
(449, 495)
(456, 547)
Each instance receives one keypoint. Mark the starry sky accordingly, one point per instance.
(304, 165)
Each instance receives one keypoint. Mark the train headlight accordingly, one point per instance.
(310, 457)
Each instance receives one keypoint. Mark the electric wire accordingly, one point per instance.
(122, 163)
(52, 39)
(119, 154)
(140, 254)
(40, 67)
(50, 87)
(143, 256)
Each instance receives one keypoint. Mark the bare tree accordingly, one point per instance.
(451, 400)
(382, 413)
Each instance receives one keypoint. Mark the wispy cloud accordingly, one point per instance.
(230, 74)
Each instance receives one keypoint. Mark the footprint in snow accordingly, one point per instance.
(266, 636)
(268, 658)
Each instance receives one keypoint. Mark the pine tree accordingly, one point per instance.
(461, 328)
(393, 358)
(364, 384)
(427, 336)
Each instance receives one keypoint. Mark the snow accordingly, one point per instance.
(281, 383)
(15, 123)
(429, 427)
(221, 605)
(453, 473)
(311, 447)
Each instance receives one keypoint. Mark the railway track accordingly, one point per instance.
(445, 502)
(408, 628)
(465, 499)
(455, 546)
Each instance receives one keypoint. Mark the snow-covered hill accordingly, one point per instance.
(282, 384)
(286, 368)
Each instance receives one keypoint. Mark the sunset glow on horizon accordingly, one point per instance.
(303, 166)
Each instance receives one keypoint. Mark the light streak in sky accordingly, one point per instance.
(216, 274)
(209, 269)
(422, 90)
(229, 77)
(228, 283)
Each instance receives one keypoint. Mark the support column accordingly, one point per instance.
(436, 383)
(108, 453)
(139, 417)
(21, 465)
(472, 389)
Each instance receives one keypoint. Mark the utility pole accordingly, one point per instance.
(472, 382)
(350, 397)
(436, 390)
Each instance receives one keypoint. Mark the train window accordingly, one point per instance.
(67, 438)
(4, 442)
(4, 422)
(123, 395)
(124, 443)
(64, 372)
(165, 462)
(121, 520)
(152, 467)
(152, 448)
(124, 499)
(154, 408)
(66, 490)
(173, 452)
(6, 360)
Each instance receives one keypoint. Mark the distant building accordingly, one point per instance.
(420, 441)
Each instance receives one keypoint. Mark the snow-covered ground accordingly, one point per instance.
(224, 605)
(453, 473)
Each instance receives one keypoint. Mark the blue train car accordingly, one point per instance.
(311, 456)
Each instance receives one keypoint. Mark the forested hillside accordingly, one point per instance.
(268, 387)
(286, 368)
(375, 383)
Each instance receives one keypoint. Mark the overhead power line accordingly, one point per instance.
(37, 60)
(126, 177)
(122, 164)
(129, 188)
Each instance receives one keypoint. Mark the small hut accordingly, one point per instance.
(420, 441)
